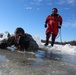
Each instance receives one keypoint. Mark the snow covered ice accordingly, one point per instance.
(57, 60)
(67, 49)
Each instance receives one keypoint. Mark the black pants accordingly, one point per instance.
(52, 39)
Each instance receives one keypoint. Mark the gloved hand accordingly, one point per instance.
(45, 25)
(59, 27)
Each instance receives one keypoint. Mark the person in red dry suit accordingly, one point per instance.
(54, 22)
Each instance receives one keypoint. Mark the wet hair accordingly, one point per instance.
(55, 9)
(19, 30)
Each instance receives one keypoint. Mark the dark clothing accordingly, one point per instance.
(53, 38)
(21, 43)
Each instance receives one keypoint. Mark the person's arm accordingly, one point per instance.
(46, 21)
(11, 41)
(3, 45)
(60, 22)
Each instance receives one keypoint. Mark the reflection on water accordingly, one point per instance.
(40, 56)
(69, 58)
(2, 58)
(56, 56)
(38, 63)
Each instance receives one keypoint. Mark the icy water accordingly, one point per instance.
(2, 58)
(40, 62)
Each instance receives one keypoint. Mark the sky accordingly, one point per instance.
(31, 15)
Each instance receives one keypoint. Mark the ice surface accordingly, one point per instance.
(62, 61)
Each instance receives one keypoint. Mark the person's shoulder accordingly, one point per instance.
(48, 16)
(12, 38)
(59, 15)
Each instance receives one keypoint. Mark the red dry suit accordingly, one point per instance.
(53, 21)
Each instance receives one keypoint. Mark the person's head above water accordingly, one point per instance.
(19, 32)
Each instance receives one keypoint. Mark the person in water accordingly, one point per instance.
(20, 40)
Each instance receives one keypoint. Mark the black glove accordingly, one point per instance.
(59, 27)
(45, 25)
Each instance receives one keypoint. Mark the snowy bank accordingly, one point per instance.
(67, 49)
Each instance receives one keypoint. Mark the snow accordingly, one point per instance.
(67, 49)
(5, 36)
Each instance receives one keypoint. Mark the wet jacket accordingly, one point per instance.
(53, 21)
(23, 42)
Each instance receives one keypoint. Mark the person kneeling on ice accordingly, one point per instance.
(54, 22)
(19, 40)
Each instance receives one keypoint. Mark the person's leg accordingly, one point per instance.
(53, 39)
(47, 38)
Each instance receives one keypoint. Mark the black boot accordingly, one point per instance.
(46, 43)
(53, 39)
(52, 44)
